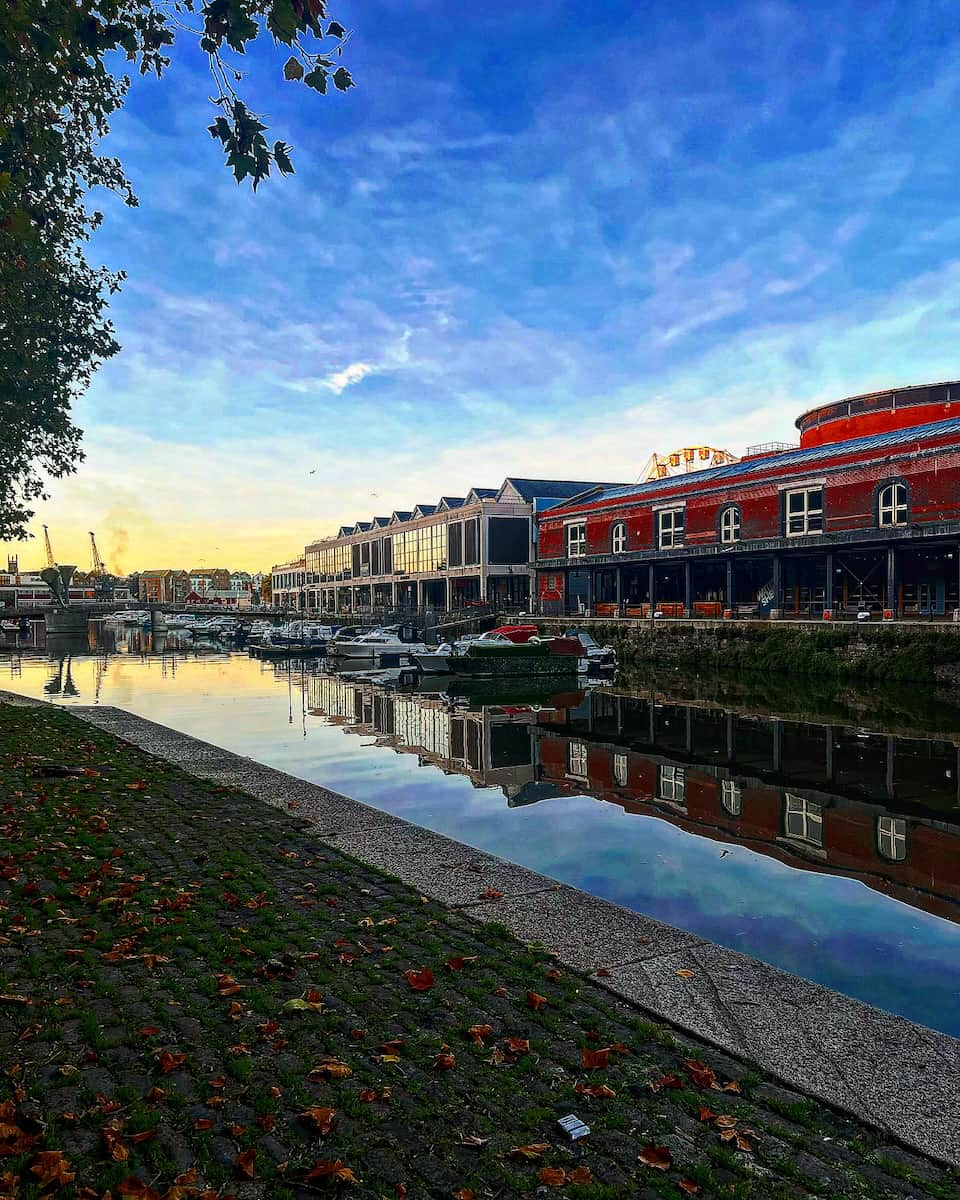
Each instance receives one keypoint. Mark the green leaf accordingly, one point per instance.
(282, 21)
(317, 79)
(293, 68)
(335, 29)
(342, 79)
(281, 156)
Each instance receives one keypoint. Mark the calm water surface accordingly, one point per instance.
(832, 852)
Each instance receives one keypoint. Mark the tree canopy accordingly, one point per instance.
(59, 87)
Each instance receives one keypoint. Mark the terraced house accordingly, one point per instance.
(475, 548)
(861, 520)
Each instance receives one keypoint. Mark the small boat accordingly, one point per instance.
(499, 657)
(593, 657)
(378, 643)
(300, 633)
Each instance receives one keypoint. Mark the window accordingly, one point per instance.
(670, 528)
(892, 505)
(620, 770)
(618, 538)
(577, 759)
(576, 541)
(803, 820)
(892, 838)
(673, 783)
(804, 512)
(730, 797)
(730, 524)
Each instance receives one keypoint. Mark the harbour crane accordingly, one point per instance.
(47, 547)
(99, 570)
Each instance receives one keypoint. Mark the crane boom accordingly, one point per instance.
(98, 567)
(47, 547)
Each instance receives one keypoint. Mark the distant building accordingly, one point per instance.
(164, 587)
(287, 584)
(209, 579)
(462, 550)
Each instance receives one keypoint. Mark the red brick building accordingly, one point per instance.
(862, 518)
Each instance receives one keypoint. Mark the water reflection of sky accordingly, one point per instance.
(831, 929)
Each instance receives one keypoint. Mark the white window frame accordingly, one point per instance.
(730, 524)
(892, 838)
(892, 511)
(731, 797)
(669, 536)
(803, 819)
(576, 533)
(618, 537)
(621, 770)
(672, 784)
(577, 760)
(806, 513)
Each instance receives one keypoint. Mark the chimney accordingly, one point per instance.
(13, 565)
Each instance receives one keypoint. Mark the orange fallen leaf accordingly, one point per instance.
(706, 1114)
(701, 1075)
(531, 1152)
(725, 1122)
(444, 1061)
(113, 1143)
(594, 1059)
(684, 973)
(245, 1161)
(420, 980)
(657, 1157)
(598, 1091)
(372, 1096)
(465, 1194)
(149, 1030)
(167, 1061)
(476, 1033)
(667, 1081)
(552, 1176)
(688, 1186)
(457, 963)
(202, 1123)
(325, 1170)
(580, 1175)
(50, 1166)
(331, 1068)
(732, 1086)
(536, 1001)
(320, 1118)
(491, 894)
(517, 1045)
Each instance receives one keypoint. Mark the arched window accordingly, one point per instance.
(618, 537)
(892, 505)
(730, 524)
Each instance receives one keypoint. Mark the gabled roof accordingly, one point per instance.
(400, 516)
(362, 526)
(786, 462)
(551, 489)
(476, 493)
(448, 502)
(381, 521)
(424, 510)
(344, 531)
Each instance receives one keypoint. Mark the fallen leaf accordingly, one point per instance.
(202, 1123)
(167, 1061)
(701, 1075)
(331, 1068)
(113, 1145)
(552, 1176)
(602, 972)
(688, 1186)
(531, 1152)
(476, 1033)
(685, 974)
(491, 894)
(465, 1194)
(594, 1059)
(244, 1162)
(325, 1170)
(517, 1045)
(420, 980)
(667, 1081)
(320, 1118)
(372, 1096)
(706, 1114)
(725, 1122)
(536, 1001)
(459, 962)
(50, 1166)
(732, 1086)
(657, 1157)
(301, 1004)
(444, 1061)
(580, 1175)
(597, 1090)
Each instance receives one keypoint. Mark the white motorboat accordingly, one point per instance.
(376, 644)
(595, 657)
(299, 633)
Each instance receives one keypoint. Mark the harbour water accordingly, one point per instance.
(826, 846)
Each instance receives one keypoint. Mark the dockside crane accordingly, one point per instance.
(99, 570)
(47, 547)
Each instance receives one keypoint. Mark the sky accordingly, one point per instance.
(540, 239)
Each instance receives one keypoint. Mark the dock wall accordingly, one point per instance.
(882, 653)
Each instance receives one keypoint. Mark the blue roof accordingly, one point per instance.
(452, 501)
(381, 521)
(555, 489)
(484, 492)
(787, 461)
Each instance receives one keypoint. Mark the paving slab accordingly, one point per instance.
(882, 1068)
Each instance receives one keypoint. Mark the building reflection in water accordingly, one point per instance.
(880, 808)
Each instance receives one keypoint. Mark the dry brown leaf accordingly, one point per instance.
(531, 1152)
(320, 1118)
(536, 1001)
(552, 1176)
(657, 1157)
(420, 980)
(245, 1161)
(593, 1060)
(476, 1033)
(332, 1171)
(701, 1075)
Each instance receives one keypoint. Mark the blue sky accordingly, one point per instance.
(541, 238)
